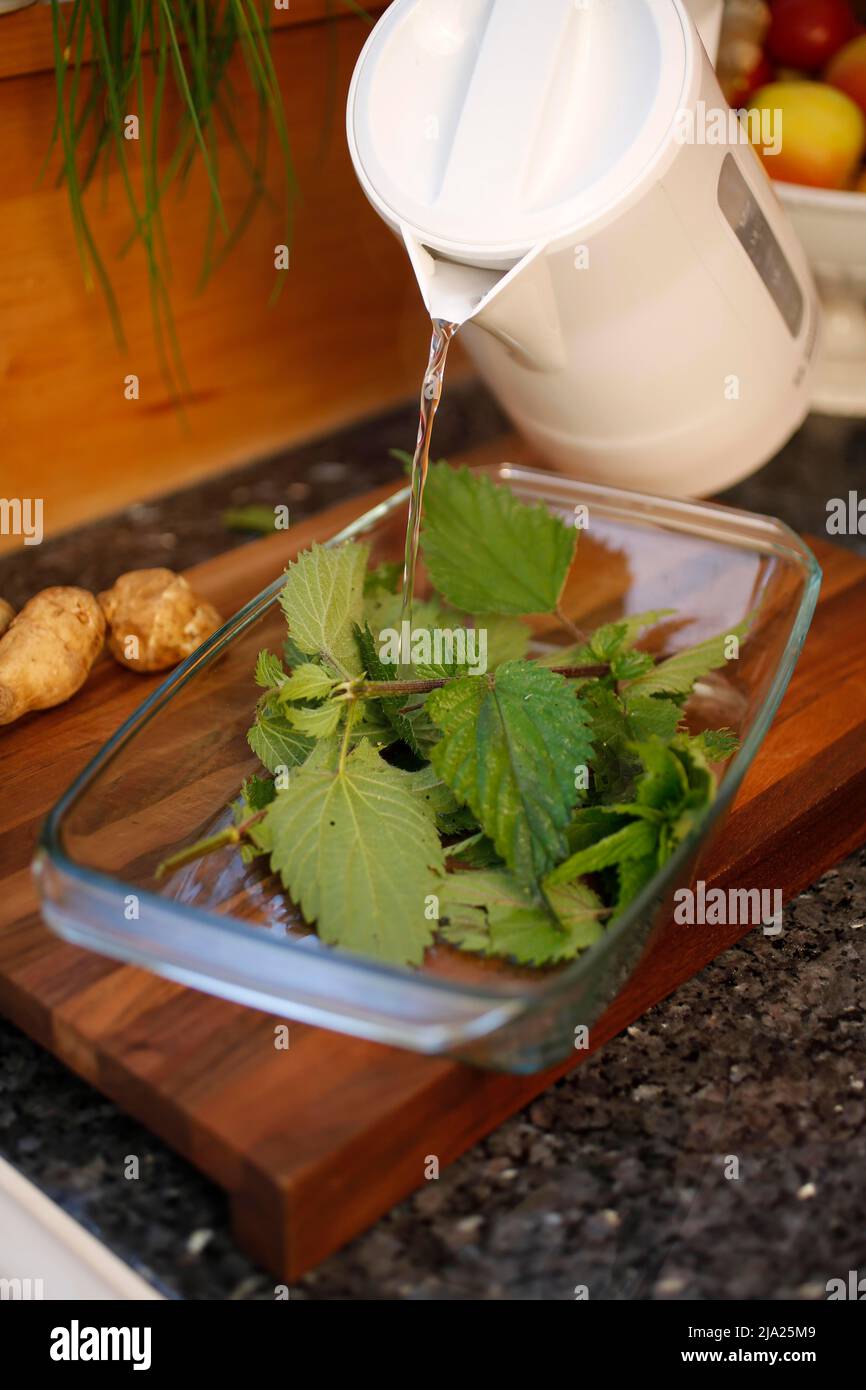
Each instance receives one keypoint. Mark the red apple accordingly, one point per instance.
(806, 33)
(847, 71)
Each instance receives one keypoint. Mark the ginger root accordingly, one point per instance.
(7, 613)
(155, 619)
(48, 650)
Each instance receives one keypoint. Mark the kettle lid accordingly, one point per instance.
(490, 125)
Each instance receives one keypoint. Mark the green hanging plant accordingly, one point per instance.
(101, 52)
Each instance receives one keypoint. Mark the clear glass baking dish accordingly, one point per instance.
(168, 774)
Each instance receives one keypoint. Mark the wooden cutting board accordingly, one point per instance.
(314, 1143)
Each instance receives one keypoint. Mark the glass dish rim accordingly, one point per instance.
(787, 542)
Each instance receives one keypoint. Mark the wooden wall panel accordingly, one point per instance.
(347, 337)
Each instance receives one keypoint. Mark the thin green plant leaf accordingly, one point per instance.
(331, 73)
(115, 109)
(258, 191)
(192, 43)
(91, 260)
(72, 32)
(159, 62)
(183, 83)
(256, 47)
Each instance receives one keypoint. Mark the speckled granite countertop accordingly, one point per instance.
(621, 1177)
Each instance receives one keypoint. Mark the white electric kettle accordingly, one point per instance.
(629, 288)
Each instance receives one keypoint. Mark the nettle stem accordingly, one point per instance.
(377, 690)
(581, 672)
(344, 746)
(577, 633)
(232, 835)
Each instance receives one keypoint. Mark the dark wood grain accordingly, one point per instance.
(314, 1143)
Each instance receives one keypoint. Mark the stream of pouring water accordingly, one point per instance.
(431, 391)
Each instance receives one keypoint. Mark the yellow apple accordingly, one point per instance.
(821, 133)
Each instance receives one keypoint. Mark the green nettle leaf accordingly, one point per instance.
(402, 456)
(628, 665)
(604, 643)
(276, 742)
(507, 638)
(488, 552)
(384, 610)
(359, 854)
(637, 838)
(617, 727)
(456, 822)
(510, 746)
(716, 744)
(316, 721)
(622, 634)
(322, 599)
(439, 670)
(368, 653)
(307, 682)
(370, 724)
(385, 578)
(677, 675)
(256, 517)
(607, 641)
(476, 851)
(614, 763)
(580, 912)
(700, 780)
(650, 715)
(434, 794)
(634, 841)
(487, 911)
(633, 876)
(292, 654)
(269, 672)
(410, 721)
(257, 793)
(593, 823)
(664, 782)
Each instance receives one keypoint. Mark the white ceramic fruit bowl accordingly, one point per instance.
(832, 228)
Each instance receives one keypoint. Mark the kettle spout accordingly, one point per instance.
(516, 306)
